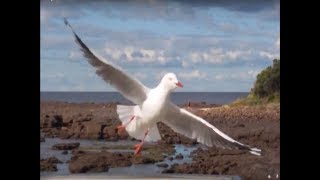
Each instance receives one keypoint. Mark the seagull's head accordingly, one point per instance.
(170, 81)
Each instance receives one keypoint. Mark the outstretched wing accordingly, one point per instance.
(129, 87)
(194, 127)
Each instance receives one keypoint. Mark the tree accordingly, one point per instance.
(268, 81)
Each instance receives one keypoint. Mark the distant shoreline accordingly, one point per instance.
(113, 97)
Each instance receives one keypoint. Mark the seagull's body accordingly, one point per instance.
(154, 105)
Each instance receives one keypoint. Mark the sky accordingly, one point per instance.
(212, 46)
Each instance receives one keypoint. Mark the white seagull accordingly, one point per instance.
(154, 105)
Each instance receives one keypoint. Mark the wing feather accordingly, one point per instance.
(128, 86)
(194, 127)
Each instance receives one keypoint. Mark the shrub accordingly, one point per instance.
(268, 81)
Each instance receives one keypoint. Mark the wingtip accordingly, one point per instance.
(256, 149)
(65, 21)
(255, 153)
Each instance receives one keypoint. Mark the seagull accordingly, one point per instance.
(153, 106)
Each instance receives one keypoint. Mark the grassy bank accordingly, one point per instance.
(253, 100)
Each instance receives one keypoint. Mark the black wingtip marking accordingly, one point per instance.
(83, 47)
(65, 20)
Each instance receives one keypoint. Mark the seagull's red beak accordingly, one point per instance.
(179, 84)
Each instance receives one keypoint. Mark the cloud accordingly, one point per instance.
(75, 55)
(277, 44)
(155, 37)
(195, 74)
(269, 55)
(160, 75)
(248, 75)
(140, 76)
(219, 56)
(266, 54)
(136, 54)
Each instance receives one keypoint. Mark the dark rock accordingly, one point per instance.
(45, 166)
(143, 160)
(163, 165)
(49, 164)
(64, 152)
(42, 139)
(97, 161)
(65, 146)
(52, 160)
(57, 121)
(179, 156)
(168, 171)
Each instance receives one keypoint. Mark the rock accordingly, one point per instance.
(42, 139)
(45, 166)
(252, 125)
(97, 161)
(64, 152)
(179, 156)
(143, 160)
(57, 121)
(49, 164)
(65, 146)
(163, 165)
(91, 130)
(53, 160)
(168, 171)
(109, 133)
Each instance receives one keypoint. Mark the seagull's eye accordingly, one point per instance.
(170, 78)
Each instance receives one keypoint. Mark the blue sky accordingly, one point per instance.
(211, 45)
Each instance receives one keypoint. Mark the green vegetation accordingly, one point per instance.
(266, 88)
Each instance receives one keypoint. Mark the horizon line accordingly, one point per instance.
(173, 92)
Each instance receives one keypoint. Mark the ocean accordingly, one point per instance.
(108, 97)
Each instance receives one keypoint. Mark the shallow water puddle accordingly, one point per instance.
(95, 145)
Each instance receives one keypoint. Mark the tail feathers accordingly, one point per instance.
(134, 128)
(153, 134)
(126, 112)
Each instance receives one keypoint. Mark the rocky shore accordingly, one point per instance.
(256, 126)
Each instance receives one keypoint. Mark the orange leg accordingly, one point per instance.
(139, 146)
(122, 127)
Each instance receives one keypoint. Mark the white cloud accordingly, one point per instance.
(277, 44)
(238, 76)
(75, 55)
(218, 56)
(185, 63)
(140, 76)
(253, 73)
(113, 52)
(161, 74)
(135, 54)
(196, 74)
(219, 77)
(269, 55)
